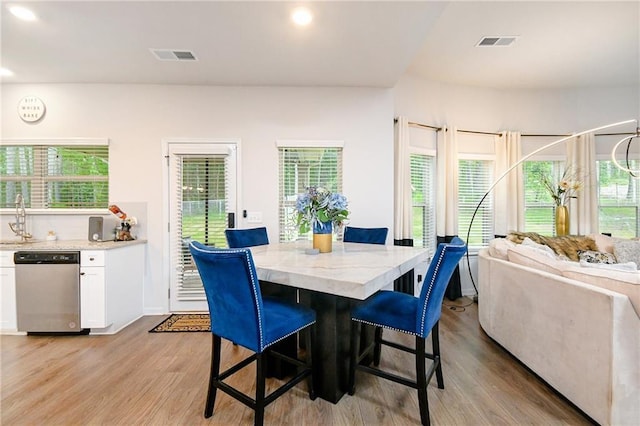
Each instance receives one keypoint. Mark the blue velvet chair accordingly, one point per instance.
(365, 235)
(240, 238)
(418, 316)
(239, 313)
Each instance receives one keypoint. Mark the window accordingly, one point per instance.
(299, 168)
(423, 204)
(474, 178)
(55, 176)
(539, 208)
(618, 200)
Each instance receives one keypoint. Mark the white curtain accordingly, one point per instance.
(509, 192)
(447, 183)
(402, 228)
(581, 158)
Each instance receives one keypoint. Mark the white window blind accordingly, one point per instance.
(539, 207)
(55, 176)
(618, 200)
(422, 199)
(202, 197)
(299, 168)
(474, 178)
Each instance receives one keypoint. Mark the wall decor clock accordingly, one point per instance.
(31, 109)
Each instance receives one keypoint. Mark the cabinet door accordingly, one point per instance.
(93, 303)
(8, 299)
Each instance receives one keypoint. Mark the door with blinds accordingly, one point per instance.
(202, 196)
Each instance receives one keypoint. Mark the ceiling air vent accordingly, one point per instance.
(497, 41)
(173, 55)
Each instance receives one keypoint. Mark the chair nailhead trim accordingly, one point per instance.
(293, 332)
(433, 278)
(384, 326)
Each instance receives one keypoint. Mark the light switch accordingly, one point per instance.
(254, 217)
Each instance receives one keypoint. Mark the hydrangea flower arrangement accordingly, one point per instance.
(319, 205)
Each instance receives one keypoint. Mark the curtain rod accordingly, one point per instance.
(411, 123)
(524, 135)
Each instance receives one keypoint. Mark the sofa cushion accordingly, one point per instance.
(536, 259)
(628, 266)
(624, 282)
(627, 250)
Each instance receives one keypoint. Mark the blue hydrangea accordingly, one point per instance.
(317, 205)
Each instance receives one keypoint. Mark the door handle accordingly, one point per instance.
(231, 220)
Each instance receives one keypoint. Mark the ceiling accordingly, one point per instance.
(359, 43)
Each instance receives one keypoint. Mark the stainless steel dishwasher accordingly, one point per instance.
(48, 291)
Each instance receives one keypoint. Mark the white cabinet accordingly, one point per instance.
(93, 300)
(8, 319)
(111, 284)
(111, 288)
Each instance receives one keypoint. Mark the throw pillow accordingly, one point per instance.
(528, 242)
(627, 250)
(498, 248)
(566, 246)
(603, 242)
(591, 256)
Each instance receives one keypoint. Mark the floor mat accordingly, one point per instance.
(184, 322)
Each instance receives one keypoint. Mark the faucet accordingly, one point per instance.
(19, 227)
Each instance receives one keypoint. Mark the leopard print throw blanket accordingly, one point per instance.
(567, 245)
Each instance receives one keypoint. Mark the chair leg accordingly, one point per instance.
(422, 381)
(213, 375)
(435, 339)
(355, 349)
(260, 388)
(377, 349)
(310, 336)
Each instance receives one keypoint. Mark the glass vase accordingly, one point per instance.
(562, 220)
(322, 235)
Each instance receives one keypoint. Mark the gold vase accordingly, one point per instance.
(322, 236)
(562, 220)
(322, 242)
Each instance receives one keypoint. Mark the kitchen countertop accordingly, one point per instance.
(67, 245)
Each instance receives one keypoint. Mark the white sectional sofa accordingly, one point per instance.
(576, 327)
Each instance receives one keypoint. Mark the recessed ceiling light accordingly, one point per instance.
(5, 72)
(22, 13)
(301, 16)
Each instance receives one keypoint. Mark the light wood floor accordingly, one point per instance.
(141, 378)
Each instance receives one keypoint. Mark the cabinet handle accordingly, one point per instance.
(82, 273)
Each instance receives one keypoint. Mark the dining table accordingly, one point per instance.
(332, 284)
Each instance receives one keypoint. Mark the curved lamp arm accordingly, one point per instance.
(627, 169)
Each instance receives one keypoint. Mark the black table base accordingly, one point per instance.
(332, 346)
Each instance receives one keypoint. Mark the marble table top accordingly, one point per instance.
(351, 270)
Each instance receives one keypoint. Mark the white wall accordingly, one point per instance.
(136, 118)
(528, 111)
